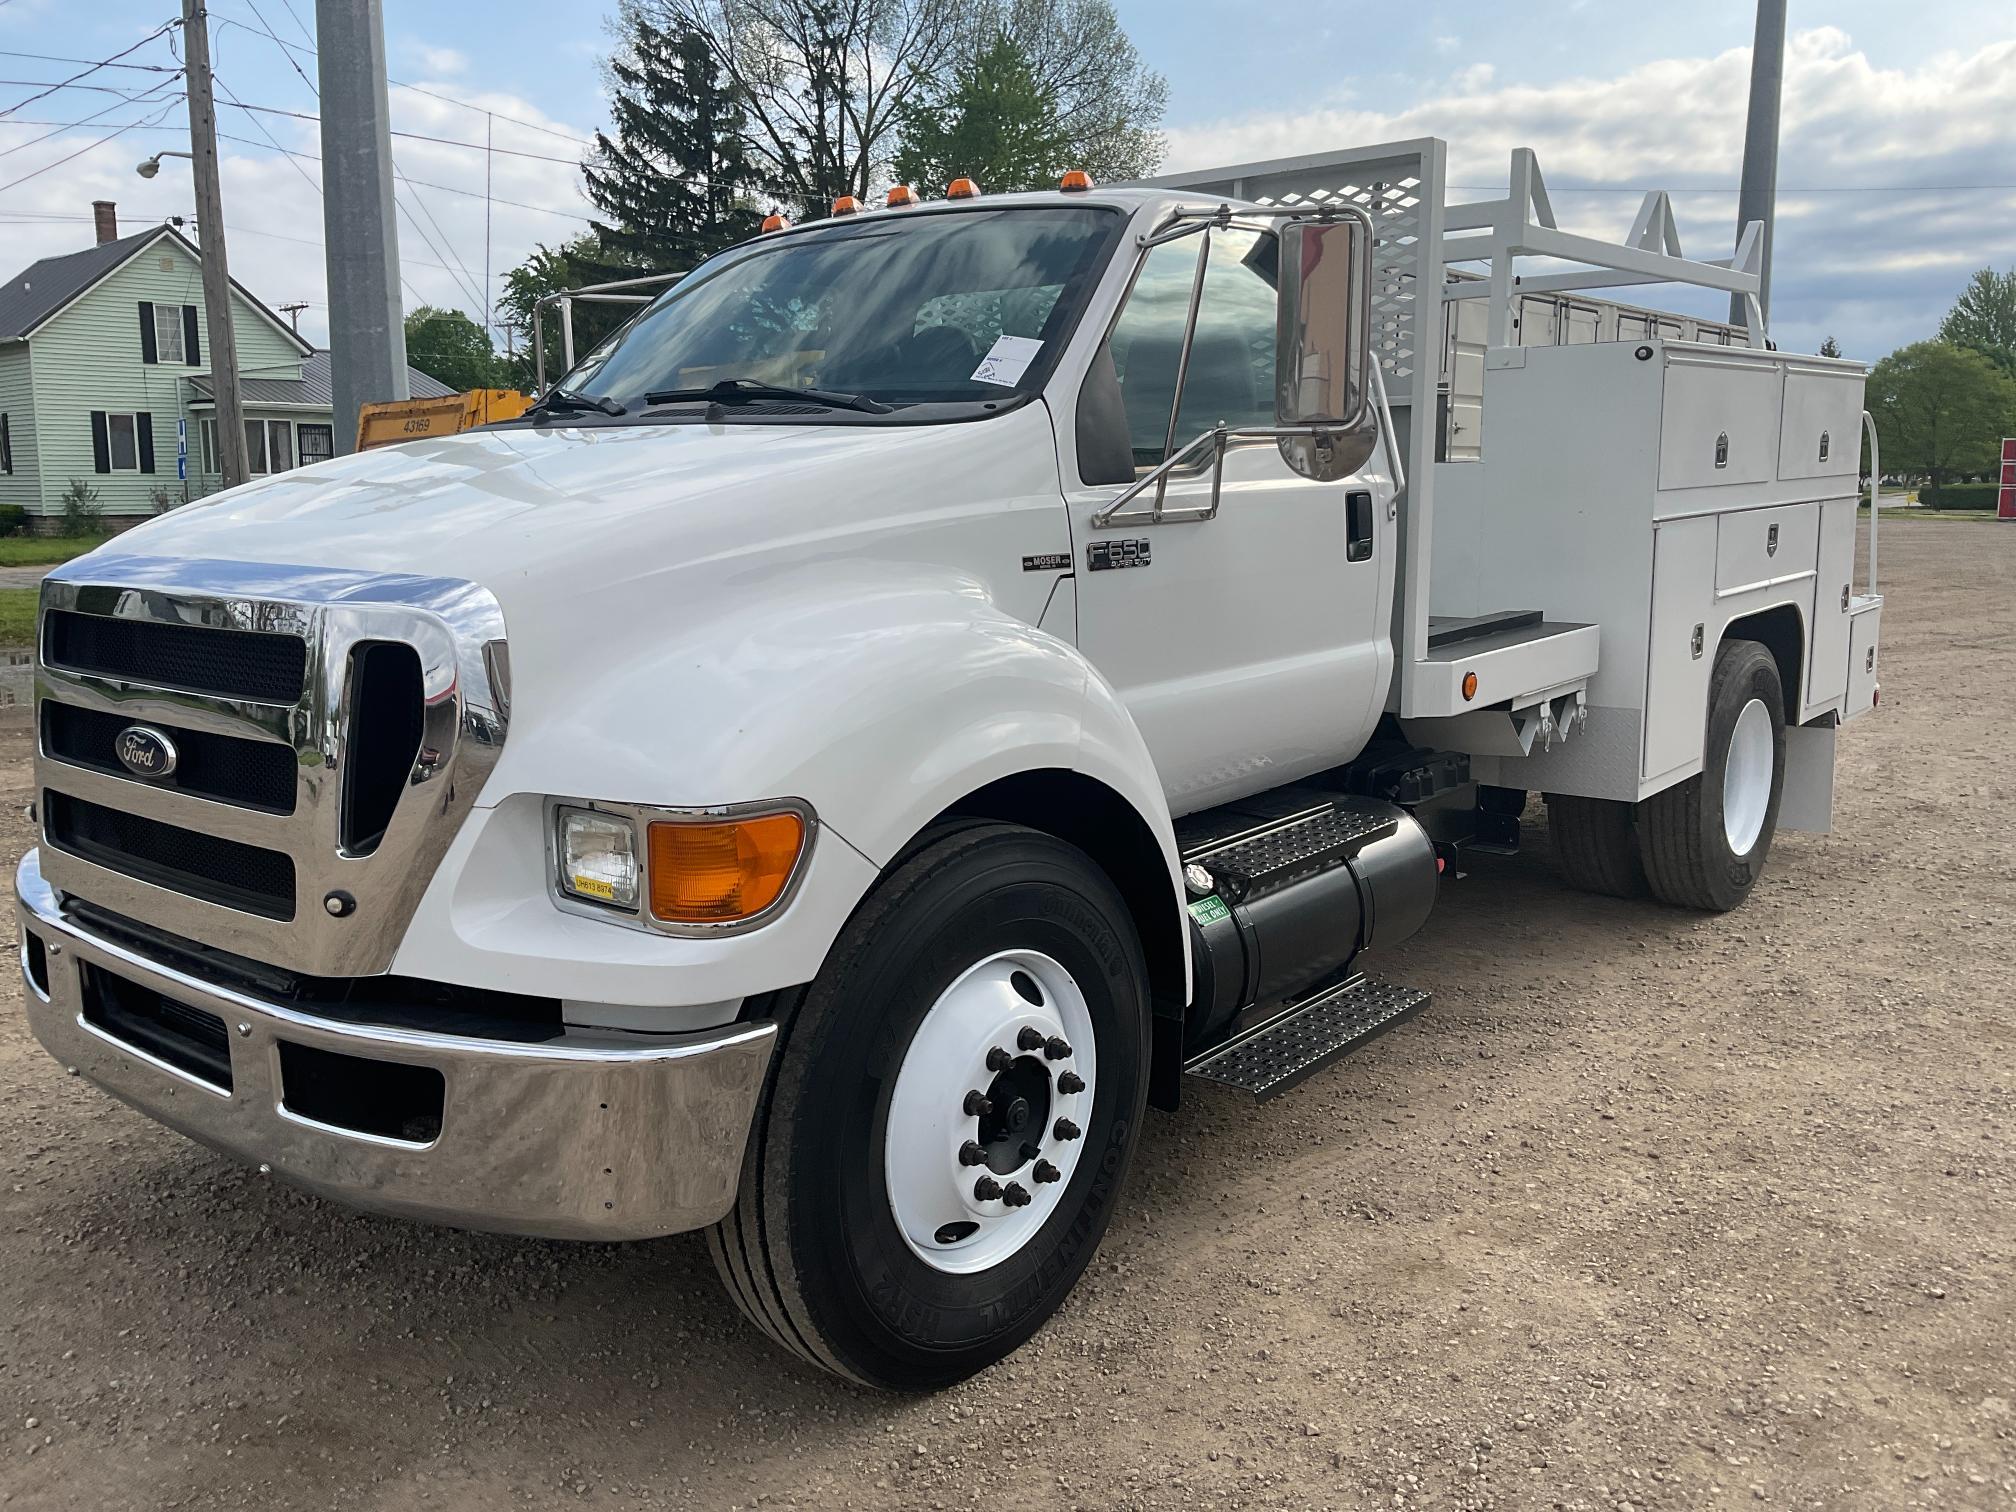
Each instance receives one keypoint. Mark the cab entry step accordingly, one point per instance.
(1266, 1061)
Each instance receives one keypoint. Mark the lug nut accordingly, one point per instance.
(1029, 1038)
(1070, 1081)
(977, 1105)
(972, 1153)
(1065, 1129)
(1016, 1195)
(986, 1189)
(1046, 1172)
(999, 1059)
(1056, 1049)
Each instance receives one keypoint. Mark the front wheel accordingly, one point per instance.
(950, 1115)
(1704, 840)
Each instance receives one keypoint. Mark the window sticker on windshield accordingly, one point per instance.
(1007, 360)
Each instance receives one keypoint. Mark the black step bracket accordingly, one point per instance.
(1293, 1046)
(1257, 861)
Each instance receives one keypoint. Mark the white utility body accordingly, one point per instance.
(937, 681)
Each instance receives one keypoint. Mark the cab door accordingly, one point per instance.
(1251, 648)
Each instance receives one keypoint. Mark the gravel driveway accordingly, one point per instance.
(1650, 1210)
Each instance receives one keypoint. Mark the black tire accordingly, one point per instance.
(812, 1252)
(1596, 845)
(1689, 861)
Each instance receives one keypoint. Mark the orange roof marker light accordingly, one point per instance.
(901, 195)
(846, 204)
(775, 222)
(962, 188)
(1077, 181)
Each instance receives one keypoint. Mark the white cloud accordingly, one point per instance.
(273, 212)
(1875, 268)
(438, 62)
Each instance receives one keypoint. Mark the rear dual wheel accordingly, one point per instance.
(1701, 843)
(950, 1115)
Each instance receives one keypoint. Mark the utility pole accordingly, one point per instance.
(1760, 147)
(293, 314)
(230, 425)
(367, 333)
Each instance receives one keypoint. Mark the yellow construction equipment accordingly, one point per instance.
(399, 420)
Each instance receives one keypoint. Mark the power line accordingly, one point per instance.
(160, 31)
(37, 173)
(565, 136)
(422, 183)
(63, 126)
(419, 136)
(58, 58)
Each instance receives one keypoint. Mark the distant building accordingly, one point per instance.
(102, 374)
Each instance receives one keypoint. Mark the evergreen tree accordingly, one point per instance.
(1983, 318)
(1830, 348)
(994, 123)
(677, 184)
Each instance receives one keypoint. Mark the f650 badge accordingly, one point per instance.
(1105, 556)
(145, 751)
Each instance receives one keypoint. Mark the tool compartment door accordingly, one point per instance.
(1718, 421)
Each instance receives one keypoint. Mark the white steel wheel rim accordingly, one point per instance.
(1746, 779)
(933, 1196)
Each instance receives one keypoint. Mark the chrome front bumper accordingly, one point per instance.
(573, 1138)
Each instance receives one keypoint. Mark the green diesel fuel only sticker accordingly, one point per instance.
(1209, 910)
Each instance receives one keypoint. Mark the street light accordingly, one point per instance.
(152, 166)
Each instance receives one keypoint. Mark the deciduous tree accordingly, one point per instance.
(1983, 318)
(992, 122)
(448, 346)
(1941, 410)
(1109, 103)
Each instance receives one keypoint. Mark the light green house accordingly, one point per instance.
(103, 381)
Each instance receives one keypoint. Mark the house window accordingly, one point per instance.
(208, 431)
(317, 443)
(6, 447)
(168, 333)
(269, 446)
(123, 434)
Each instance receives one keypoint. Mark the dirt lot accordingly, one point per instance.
(1649, 1210)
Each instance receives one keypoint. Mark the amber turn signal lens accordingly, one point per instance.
(962, 188)
(1469, 686)
(718, 873)
(1077, 181)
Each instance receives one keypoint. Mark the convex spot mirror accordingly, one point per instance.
(1322, 347)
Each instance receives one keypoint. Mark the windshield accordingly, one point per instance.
(962, 308)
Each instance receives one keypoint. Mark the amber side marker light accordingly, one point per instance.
(775, 223)
(1077, 181)
(722, 871)
(846, 204)
(901, 195)
(1469, 686)
(962, 188)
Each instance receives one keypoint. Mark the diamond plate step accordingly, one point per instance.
(1278, 856)
(1267, 1061)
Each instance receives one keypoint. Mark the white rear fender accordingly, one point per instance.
(880, 697)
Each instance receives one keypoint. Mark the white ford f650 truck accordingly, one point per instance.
(936, 681)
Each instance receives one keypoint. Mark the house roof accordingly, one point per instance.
(313, 387)
(43, 288)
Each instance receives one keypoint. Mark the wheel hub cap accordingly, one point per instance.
(1746, 779)
(1002, 1066)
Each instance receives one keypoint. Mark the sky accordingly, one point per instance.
(1898, 166)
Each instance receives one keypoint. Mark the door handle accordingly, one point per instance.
(1358, 526)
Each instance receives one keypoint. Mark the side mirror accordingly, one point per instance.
(1322, 347)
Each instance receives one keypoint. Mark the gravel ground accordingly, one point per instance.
(1650, 1210)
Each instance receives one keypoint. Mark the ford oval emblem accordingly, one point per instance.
(145, 751)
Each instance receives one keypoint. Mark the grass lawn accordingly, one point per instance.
(1915, 513)
(38, 551)
(17, 616)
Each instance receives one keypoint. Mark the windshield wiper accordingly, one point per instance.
(741, 390)
(557, 399)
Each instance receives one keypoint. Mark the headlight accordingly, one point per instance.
(598, 859)
(681, 871)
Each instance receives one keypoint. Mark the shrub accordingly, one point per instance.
(1959, 496)
(12, 518)
(82, 513)
(162, 499)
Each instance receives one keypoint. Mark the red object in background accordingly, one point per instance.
(2005, 499)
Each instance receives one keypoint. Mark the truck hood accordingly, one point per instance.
(503, 507)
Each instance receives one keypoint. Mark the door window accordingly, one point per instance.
(1231, 374)
(317, 443)
(123, 431)
(255, 446)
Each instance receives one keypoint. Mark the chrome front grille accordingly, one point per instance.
(324, 733)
